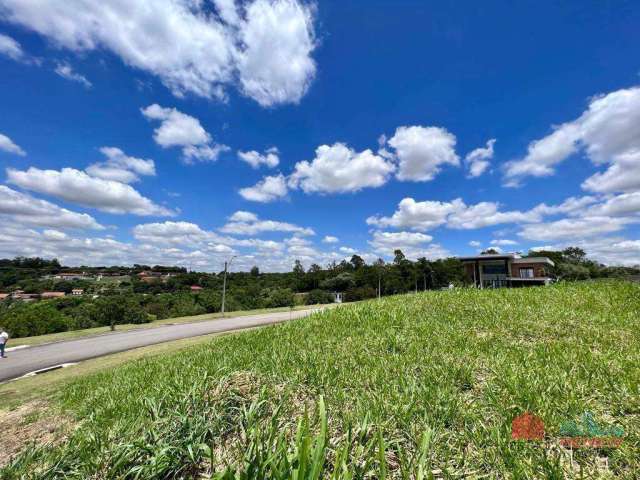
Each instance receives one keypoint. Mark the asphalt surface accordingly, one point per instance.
(23, 361)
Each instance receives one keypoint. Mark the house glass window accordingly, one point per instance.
(526, 272)
(494, 269)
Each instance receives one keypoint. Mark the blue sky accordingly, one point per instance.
(128, 130)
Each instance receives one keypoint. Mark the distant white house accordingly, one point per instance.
(73, 276)
(77, 291)
(337, 297)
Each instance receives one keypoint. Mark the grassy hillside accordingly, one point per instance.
(415, 386)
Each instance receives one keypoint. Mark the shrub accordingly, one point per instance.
(184, 305)
(361, 293)
(211, 300)
(84, 316)
(318, 296)
(278, 297)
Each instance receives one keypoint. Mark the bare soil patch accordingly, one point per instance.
(32, 423)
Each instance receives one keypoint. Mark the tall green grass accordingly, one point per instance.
(416, 386)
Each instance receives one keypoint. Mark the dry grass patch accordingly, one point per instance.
(33, 423)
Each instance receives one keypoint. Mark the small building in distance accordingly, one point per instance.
(24, 297)
(46, 295)
(507, 270)
(196, 288)
(73, 276)
(77, 291)
(149, 276)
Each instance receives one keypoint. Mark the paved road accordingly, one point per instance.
(23, 361)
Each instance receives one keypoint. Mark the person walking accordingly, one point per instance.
(4, 337)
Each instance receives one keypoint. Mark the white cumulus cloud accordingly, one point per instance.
(487, 214)
(275, 62)
(8, 145)
(178, 129)
(478, 160)
(608, 132)
(412, 244)
(266, 190)
(269, 158)
(248, 223)
(27, 210)
(504, 242)
(573, 229)
(121, 167)
(174, 233)
(418, 215)
(78, 187)
(338, 169)
(456, 214)
(263, 47)
(623, 175)
(422, 152)
(11, 48)
(65, 70)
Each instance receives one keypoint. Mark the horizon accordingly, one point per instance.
(285, 130)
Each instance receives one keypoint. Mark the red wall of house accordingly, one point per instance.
(539, 269)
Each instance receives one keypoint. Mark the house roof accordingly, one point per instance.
(490, 256)
(534, 260)
(514, 257)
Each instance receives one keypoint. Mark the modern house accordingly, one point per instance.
(507, 270)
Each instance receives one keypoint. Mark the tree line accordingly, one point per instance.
(133, 300)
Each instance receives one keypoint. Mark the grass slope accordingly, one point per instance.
(417, 386)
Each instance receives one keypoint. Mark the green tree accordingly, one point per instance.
(574, 254)
(298, 269)
(29, 319)
(572, 271)
(357, 262)
(398, 256)
(339, 283)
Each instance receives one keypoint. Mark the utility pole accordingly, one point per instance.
(224, 283)
(379, 278)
